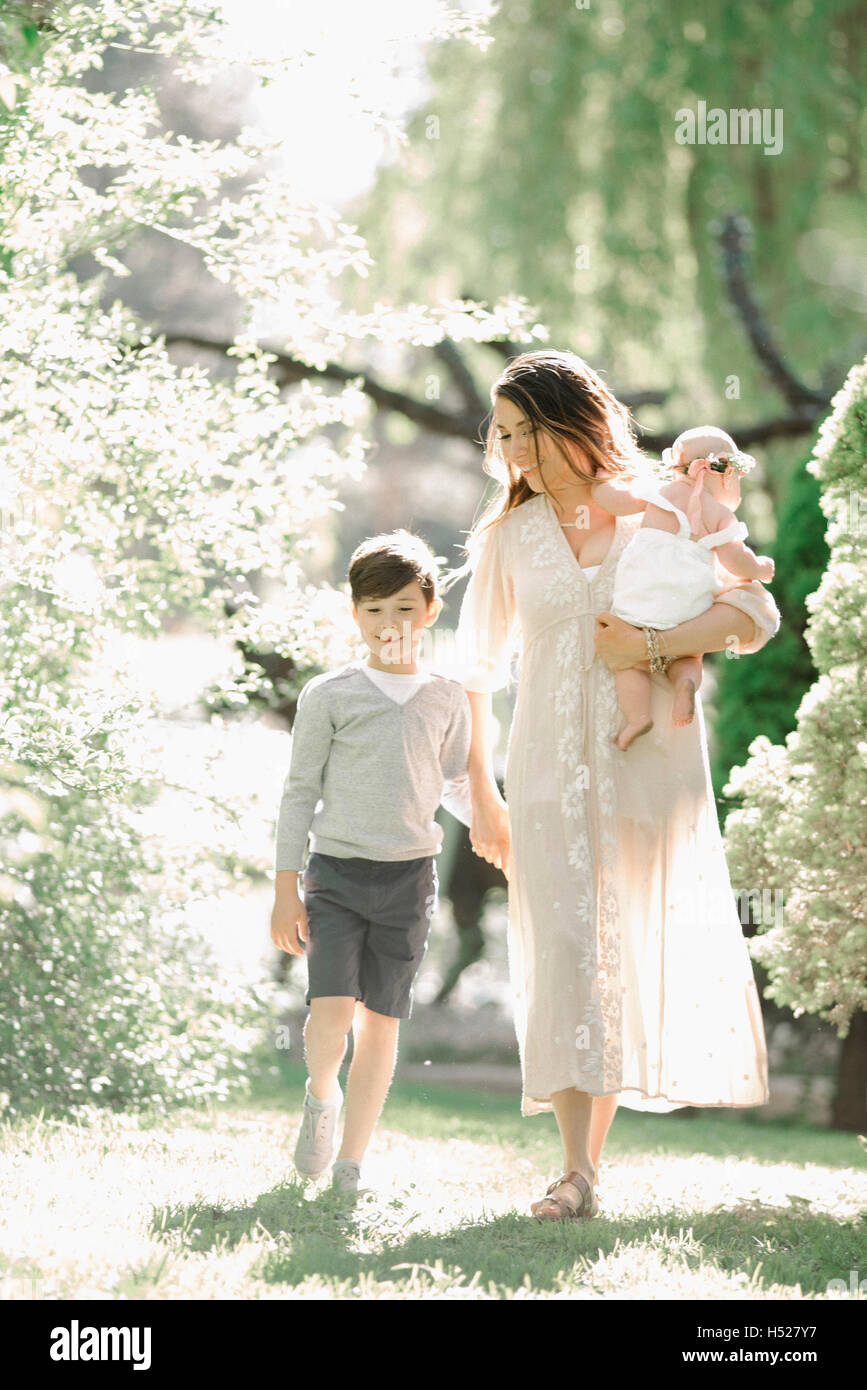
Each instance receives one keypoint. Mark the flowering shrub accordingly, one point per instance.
(132, 490)
(803, 822)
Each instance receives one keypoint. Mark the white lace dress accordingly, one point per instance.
(629, 969)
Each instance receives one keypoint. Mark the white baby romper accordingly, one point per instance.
(665, 579)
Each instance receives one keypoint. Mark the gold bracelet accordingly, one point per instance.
(657, 662)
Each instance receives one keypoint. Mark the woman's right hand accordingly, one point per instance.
(490, 835)
(620, 645)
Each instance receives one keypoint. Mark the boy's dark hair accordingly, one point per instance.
(383, 565)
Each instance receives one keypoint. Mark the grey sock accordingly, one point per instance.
(316, 1104)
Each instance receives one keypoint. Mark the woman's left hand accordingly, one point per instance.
(620, 645)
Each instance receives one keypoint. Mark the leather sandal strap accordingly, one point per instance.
(581, 1185)
(576, 1180)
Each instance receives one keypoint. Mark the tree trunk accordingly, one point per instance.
(850, 1101)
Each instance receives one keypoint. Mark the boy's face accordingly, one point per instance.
(393, 627)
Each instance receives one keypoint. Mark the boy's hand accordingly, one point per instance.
(289, 924)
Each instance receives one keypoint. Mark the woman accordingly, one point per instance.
(630, 974)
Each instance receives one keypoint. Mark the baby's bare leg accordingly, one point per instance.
(685, 675)
(633, 692)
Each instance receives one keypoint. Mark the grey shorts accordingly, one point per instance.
(369, 922)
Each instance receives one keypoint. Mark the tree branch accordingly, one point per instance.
(733, 236)
(462, 377)
(466, 424)
(785, 427)
(463, 425)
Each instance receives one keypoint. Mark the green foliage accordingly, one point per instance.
(562, 136)
(132, 491)
(104, 999)
(765, 691)
(107, 994)
(802, 824)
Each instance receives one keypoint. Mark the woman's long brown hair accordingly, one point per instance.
(560, 394)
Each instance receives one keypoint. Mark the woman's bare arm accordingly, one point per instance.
(480, 764)
(721, 628)
(489, 834)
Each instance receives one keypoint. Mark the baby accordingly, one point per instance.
(666, 574)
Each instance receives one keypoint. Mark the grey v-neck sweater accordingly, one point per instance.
(366, 774)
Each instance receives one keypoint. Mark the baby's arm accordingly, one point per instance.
(613, 497)
(738, 559)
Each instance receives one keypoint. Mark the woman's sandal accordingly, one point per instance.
(560, 1208)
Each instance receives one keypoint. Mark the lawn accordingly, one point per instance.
(205, 1205)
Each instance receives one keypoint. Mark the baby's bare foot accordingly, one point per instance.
(630, 732)
(684, 703)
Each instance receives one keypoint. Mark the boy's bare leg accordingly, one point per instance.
(325, 1034)
(633, 693)
(369, 1078)
(685, 675)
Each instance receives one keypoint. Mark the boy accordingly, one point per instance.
(375, 747)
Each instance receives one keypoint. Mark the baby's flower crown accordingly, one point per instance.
(720, 460)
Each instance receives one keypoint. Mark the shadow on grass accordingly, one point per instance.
(282, 1211)
(320, 1236)
(507, 1250)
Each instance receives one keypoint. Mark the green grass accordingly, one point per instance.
(204, 1205)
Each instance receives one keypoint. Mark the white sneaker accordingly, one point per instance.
(317, 1139)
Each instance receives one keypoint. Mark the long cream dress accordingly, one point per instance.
(629, 969)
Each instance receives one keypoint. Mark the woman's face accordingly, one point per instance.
(523, 450)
